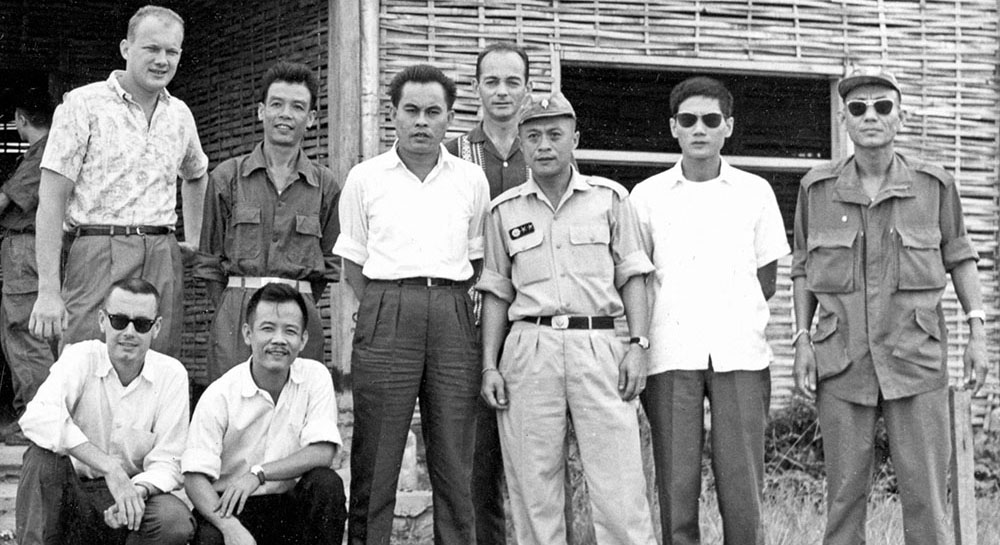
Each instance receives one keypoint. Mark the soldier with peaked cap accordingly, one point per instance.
(563, 259)
(875, 236)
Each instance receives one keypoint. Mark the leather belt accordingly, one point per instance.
(573, 322)
(257, 282)
(120, 230)
(425, 281)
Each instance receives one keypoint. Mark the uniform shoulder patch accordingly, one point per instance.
(521, 230)
(610, 184)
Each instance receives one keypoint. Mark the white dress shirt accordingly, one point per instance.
(707, 240)
(143, 424)
(237, 425)
(396, 226)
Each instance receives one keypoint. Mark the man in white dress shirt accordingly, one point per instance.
(107, 430)
(714, 234)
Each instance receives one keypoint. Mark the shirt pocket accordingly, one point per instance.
(917, 340)
(529, 264)
(831, 263)
(920, 263)
(246, 232)
(830, 346)
(304, 249)
(591, 256)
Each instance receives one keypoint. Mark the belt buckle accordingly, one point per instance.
(560, 322)
(430, 282)
(138, 231)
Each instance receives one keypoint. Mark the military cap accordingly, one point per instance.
(867, 76)
(554, 105)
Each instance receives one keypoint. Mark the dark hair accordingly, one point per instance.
(276, 293)
(134, 285)
(152, 11)
(291, 72)
(421, 73)
(36, 105)
(701, 86)
(502, 47)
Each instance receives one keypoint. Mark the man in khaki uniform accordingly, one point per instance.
(563, 258)
(875, 235)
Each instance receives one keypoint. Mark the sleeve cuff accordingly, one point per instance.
(493, 282)
(207, 267)
(475, 248)
(201, 461)
(798, 263)
(773, 254)
(321, 431)
(956, 251)
(164, 480)
(351, 249)
(636, 263)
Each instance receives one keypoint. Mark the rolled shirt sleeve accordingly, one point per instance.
(321, 408)
(495, 277)
(161, 466)
(799, 243)
(352, 242)
(203, 452)
(195, 162)
(480, 203)
(955, 244)
(627, 250)
(770, 241)
(68, 138)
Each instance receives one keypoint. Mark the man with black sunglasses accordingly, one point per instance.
(875, 236)
(107, 431)
(714, 233)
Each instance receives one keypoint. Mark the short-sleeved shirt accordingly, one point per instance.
(143, 425)
(570, 257)
(22, 190)
(124, 169)
(237, 425)
(878, 270)
(707, 240)
(502, 172)
(249, 229)
(396, 226)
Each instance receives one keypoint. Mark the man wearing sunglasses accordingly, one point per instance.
(875, 235)
(714, 233)
(107, 430)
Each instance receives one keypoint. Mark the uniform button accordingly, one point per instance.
(274, 238)
(558, 246)
(505, 164)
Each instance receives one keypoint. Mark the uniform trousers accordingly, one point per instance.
(226, 333)
(413, 342)
(28, 357)
(920, 446)
(551, 376)
(56, 507)
(739, 400)
(487, 479)
(311, 513)
(93, 263)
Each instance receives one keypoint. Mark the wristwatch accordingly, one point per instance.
(258, 471)
(643, 342)
(978, 313)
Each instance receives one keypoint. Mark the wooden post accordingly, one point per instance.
(963, 483)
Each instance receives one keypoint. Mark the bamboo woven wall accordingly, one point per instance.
(944, 54)
(226, 52)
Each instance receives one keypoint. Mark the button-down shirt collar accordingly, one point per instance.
(249, 387)
(898, 183)
(577, 182)
(114, 81)
(303, 166)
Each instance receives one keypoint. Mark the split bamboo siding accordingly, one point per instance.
(944, 54)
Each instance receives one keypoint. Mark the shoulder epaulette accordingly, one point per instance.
(934, 171)
(510, 194)
(823, 172)
(610, 184)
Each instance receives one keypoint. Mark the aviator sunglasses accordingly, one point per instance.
(121, 321)
(858, 108)
(687, 120)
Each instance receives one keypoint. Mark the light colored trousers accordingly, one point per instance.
(552, 375)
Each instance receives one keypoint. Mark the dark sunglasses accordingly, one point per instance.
(687, 120)
(859, 107)
(121, 321)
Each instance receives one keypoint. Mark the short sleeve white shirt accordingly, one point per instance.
(707, 240)
(237, 425)
(396, 226)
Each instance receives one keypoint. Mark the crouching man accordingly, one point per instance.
(263, 437)
(107, 431)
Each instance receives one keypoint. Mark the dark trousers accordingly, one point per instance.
(674, 404)
(311, 513)
(487, 479)
(920, 443)
(55, 507)
(413, 342)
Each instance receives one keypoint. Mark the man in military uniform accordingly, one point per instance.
(875, 235)
(563, 258)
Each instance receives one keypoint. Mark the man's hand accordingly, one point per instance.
(632, 373)
(236, 494)
(805, 368)
(494, 389)
(189, 250)
(234, 533)
(48, 316)
(129, 506)
(976, 364)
